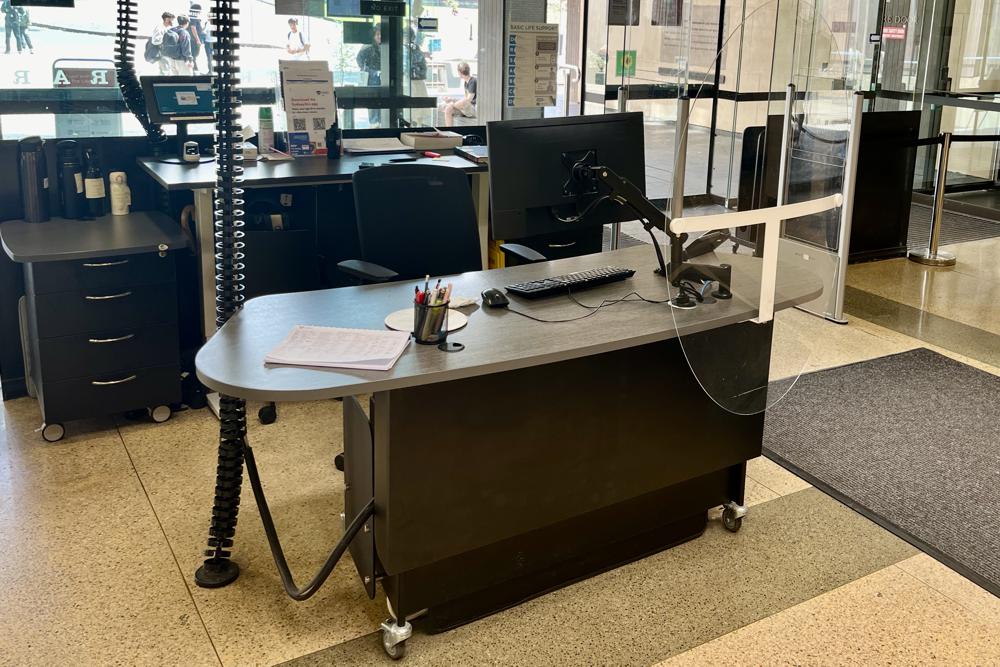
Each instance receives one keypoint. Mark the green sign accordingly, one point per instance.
(625, 63)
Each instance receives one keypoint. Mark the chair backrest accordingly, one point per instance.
(417, 219)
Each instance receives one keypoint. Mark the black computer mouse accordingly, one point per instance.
(494, 298)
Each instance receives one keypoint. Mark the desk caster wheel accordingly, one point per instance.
(160, 413)
(732, 516)
(53, 432)
(394, 638)
(338, 462)
(268, 414)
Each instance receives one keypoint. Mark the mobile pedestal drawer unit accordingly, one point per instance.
(100, 315)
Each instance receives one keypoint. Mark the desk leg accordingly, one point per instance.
(204, 235)
(481, 199)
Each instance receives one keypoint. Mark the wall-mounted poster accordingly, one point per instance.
(532, 58)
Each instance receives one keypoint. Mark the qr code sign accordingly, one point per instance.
(319, 124)
(299, 124)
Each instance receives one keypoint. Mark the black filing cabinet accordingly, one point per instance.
(100, 316)
(103, 337)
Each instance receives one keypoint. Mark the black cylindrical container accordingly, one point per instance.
(71, 179)
(334, 142)
(34, 179)
(94, 188)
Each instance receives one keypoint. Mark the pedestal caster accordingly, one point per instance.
(394, 638)
(53, 432)
(268, 414)
(732, 516)
(160, 413)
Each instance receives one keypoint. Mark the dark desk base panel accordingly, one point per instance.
(496, 489)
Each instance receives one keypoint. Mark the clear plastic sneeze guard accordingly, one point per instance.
(746, 342)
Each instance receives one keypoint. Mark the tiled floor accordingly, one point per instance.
(100, 535)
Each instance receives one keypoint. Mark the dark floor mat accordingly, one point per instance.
(910, 441)
(955, 227)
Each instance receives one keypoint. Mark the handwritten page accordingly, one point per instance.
(333, 347)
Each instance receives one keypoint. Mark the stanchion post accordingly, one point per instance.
(616, 228)
(680, 156)
(930, 255)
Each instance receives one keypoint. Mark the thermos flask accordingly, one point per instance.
(71, 180)
(34, 179)
(334, 142)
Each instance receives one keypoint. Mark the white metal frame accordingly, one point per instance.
(771, 218)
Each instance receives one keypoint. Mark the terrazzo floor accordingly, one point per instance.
(100, 535)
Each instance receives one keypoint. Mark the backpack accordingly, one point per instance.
(418, 65)
(153, 53)
(171, 47)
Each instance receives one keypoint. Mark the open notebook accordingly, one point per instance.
(333, 347)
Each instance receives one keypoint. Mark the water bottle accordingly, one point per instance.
(93, 185)
(265, 131)
(71, 179)
(34, 174)
(334, 142)
(121, 195)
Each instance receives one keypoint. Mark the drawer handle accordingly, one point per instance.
(112, 340)
(562, 245)
(109, 296)
(98, 383)
(98, 265)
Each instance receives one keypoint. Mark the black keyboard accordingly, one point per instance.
(570, 282)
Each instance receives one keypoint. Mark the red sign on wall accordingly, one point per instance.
(894, 32)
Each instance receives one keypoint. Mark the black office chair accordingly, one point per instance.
(417, 219)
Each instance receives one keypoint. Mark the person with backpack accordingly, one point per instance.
(11, 25)
(154, 47)
(296, 45)
(370, 62)
(177, 48)
(199, 36)
(418, 81)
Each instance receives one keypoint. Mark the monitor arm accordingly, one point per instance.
(625, 193)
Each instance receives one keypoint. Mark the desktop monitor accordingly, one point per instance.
(532, 189)
(179, 99)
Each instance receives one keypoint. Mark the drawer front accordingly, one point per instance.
(108, 351)
(105, 273)
(567, 244)
(120, 308)
(110, 393)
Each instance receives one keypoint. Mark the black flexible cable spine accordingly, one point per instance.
(128, 83)
(218, 570)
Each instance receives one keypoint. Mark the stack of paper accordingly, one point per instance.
(333, 347)
(375, 146)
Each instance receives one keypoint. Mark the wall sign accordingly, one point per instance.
(383, 8)
(427, 23)
(532, 57)
(894, 32)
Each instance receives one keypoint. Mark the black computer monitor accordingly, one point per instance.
(179, 100)
(531, 179)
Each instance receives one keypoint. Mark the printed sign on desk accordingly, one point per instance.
(532, 58)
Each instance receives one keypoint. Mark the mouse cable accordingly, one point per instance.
(593, 309)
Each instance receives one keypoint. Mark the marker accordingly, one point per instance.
(431, 154)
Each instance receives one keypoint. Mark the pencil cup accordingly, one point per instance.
(430, 323)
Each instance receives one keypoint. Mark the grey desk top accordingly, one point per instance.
(61, 240)
(300, 171)
(496, 340)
